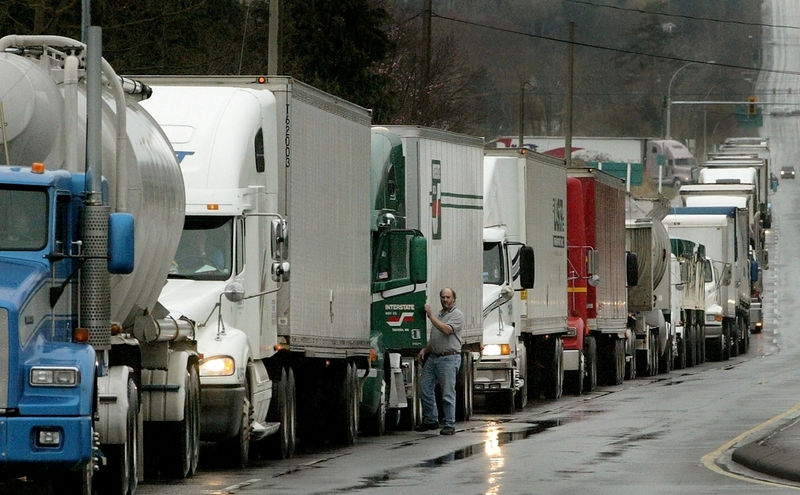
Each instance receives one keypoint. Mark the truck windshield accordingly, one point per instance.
(23, 223)
(492, 263)
(204, 252)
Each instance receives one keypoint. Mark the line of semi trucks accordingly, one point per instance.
(244, 260)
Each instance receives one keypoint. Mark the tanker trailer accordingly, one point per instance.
(89, 362)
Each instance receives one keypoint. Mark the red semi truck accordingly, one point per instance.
(599, 347)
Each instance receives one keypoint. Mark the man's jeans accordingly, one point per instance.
(441, 370)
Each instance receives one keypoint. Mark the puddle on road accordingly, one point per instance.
(501, 439)
(491, 447)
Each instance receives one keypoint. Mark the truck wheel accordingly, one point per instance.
(554, 379)
(120, 476)
(689, 347)
(590, 358)
(278, 444)
(185, 435)
(375, 424)
(665, 361)
(701, 344)
(716, 349)
(238, 448)
(507, 401)
(521, 398)
(726, 350)
(680, 358)
(464, 387)
(735, 340)
(291, 399)
(346, 429)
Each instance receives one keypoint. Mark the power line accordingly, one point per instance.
(617, 50)
(682, 16)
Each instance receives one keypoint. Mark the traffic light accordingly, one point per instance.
(752, 108)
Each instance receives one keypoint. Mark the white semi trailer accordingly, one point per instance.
(277, 186)
(524, 234)
(444, 190)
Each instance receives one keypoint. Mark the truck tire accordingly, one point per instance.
(507, 401)
(735, 339)
(184, 436)
(590, 358)
(554, 372)
(680, 358)
(726, 350)
(375, 424)
(280, 444)
(464, 385)
(237, 449)
(701, 341)
(346, 425)
(715, 350)
(120, 476)
(690, 346)
(521, 397)
(665, 361)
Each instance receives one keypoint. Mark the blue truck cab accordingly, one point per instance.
(48, 398)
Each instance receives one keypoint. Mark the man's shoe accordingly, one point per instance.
(448, 430)
(425, 426)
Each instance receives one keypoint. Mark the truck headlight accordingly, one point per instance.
(41, 376)
(497, 350)
(217, 366)
(713, 318)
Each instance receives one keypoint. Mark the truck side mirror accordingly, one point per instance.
(278, 239)
(121, 249)
(418, 253)
(527, 267)
(632, 268)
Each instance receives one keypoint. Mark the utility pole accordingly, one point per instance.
(570, 84)
(521, 114)
(274, 52)
(426, 30)
(86, 19)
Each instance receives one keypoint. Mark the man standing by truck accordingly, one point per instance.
(444, 360)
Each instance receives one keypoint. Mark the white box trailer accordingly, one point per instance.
(444, 177)
(279, 172)
(722, 231)
(524, 207)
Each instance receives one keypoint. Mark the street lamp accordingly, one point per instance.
(669, 96)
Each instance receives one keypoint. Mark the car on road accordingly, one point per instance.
(787, 172)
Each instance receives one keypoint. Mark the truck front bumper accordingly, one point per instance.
(44, 444)
(220, 411)
(491, 376)
(713, 330)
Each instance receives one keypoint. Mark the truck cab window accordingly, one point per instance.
(492, 263)
(23, 226)
(259, 150)
(205, 249)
